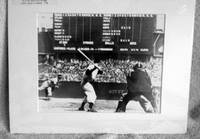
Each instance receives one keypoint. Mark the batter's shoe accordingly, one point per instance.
(92, 110)
(81, 109)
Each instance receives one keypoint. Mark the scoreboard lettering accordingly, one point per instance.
(117, 32)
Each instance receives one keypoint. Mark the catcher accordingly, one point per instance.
(138, 89)
(49, 86)
(86, 85)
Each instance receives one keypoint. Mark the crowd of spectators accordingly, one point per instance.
(113, 70)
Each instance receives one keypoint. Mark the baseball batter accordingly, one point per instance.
(86, 84)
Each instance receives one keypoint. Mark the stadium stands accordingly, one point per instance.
(114, 70)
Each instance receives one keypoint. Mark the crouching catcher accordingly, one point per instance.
(49, 86)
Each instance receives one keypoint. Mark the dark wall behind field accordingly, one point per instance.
(194, 103)
(108, 91)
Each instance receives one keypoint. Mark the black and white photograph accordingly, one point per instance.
(99, 66)
(100, 62)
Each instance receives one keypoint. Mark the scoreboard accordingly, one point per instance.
(122, 33)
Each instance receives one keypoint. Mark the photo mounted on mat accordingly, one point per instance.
(96, 62)
(101, 66)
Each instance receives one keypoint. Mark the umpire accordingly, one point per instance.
(138, 89)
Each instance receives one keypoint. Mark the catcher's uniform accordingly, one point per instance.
(49, 86)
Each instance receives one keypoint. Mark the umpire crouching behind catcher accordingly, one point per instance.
(138, 89)
(86, 84)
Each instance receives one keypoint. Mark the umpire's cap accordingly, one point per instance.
(137, 66)
(59, 76)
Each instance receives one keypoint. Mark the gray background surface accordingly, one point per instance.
(194, 102)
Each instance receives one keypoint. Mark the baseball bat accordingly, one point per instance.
(87, 58)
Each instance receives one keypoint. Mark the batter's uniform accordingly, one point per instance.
(138, 89)
(87, 87)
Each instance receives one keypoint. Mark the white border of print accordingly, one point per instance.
(23, 63)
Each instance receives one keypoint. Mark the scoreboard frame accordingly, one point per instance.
(123, 46)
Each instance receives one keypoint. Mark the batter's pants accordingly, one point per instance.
(89, 92)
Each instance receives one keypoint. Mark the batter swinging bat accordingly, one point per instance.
(87, 58)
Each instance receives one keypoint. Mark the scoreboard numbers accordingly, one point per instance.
(95, 31)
